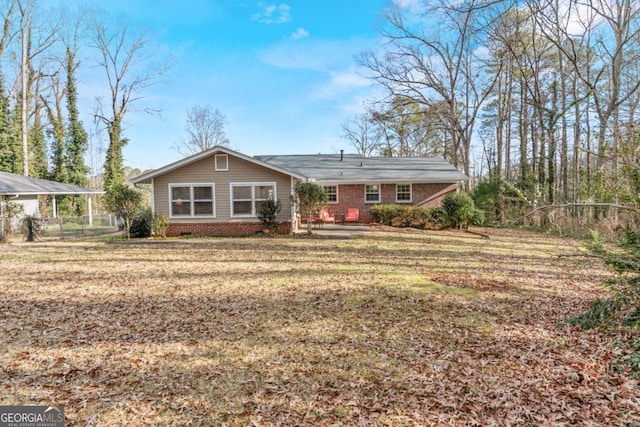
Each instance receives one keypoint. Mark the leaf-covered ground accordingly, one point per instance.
(391, 328)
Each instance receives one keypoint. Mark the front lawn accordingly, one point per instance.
(390, 328)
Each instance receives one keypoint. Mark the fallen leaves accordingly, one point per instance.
(392, 329)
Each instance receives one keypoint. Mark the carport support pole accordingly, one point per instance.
(90, 210)
(2, 230)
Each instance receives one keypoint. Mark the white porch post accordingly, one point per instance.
(54, 205)
(2, 221)
(294, 208)
(90, 210)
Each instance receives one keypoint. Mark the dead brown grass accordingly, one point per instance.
(423, 328)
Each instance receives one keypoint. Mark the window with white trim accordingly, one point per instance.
(192, 200)
(221, 162)
(372, 193)
(246, 197)
(332, 193)
(403, 193)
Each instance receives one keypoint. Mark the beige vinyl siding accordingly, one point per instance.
(203, 171)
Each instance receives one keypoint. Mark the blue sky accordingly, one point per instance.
(283, 73)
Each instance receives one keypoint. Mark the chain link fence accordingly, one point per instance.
(62, 227)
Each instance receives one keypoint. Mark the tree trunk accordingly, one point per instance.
(25, 28)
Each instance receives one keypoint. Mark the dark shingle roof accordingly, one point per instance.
(13, 184)
(358, 169)
(335, 168)
(146, 178)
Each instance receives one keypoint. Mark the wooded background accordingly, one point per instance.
(536, 101)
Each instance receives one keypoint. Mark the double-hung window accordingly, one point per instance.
(332, 193)
(192, 200)
(403, 193)
(246, 197)
(372, 193)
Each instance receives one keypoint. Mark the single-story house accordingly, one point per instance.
(218, 191)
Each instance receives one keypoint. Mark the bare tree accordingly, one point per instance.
(433, 67)
(34, 41)
(7, 16)
(126, 60)
(614, 47)
(362, 134)
(205, 128)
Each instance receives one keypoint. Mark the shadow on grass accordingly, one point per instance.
(243, 352)
(357, 338)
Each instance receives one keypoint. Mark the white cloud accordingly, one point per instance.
(577, 18)
(348, 78)
(273, 14)
(314, 54)
(346, 88)
(300, 34)
(304, 55)
(327, 67)
(411, 5)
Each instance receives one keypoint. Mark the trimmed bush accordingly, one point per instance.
(409, 216)
(389, 214)
(461, 210)
(141, 224)
(438, 218)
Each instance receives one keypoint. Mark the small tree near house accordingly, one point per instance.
(310, 198)
(125, 203)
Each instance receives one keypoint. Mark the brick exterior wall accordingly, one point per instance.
(222, 229)
(352, 196)
(349, 196)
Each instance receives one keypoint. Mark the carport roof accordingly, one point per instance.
(12, 184)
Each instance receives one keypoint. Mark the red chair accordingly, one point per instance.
(325, 216)
(353, 215)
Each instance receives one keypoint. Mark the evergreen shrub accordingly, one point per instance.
(461, 210)
(141, 225)
(409, 216)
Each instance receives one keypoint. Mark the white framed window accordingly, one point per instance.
(372, 193)
(332, 193)
(192, 200)
(403, 193)
(221, 162)
(247, 196)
